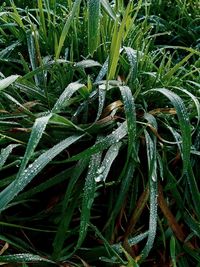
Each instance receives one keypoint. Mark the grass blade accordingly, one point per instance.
(32, 170)
(183, 121)
(5, 152)
(23, 257)
(109, 140)
(4, 83)
(129, 108)
(93, 25)
(106, 164)
(65, 218)
(36, 134)
(66, 95)
(108, 9)
(173, 251)
(118, 35)
(66, 27)
(152, 173)
(88, 197)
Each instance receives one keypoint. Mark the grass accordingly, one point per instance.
(99, 136)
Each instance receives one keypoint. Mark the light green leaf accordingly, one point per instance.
(66, 27)
(93, 25)
(5, 152)
(66, 95)
(129, 108)
(23, 257)
(183, 121)
(32, 170)
(4, 83)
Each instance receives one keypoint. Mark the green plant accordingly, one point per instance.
(99, 134)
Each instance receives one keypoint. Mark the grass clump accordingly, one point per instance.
(99, 134)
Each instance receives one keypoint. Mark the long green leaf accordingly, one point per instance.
(129, 108)
(66, 95)
(5, 152)
(109, 140)
(106, 164)
(152, 173)
(4, 83)
(65, 218)
(183, 121)
(36, 134)
(32, 170)
(23, 257)
(66, 27)
(88, 196)
(108, 9)
(93, 24)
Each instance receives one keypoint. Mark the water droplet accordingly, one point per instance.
(101, 169)
(99, 178)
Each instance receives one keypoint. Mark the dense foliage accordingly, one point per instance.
(99, 133)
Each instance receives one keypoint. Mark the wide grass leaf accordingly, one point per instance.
(88, 195)
(65, 217)
(66, 27)
(109, 140)
(183, 121)
(108, 9)
(93, 24)
(4, 83)
(129, 108)
(32, 170)
(66, 95)
(106, 164)
(5, 152)
(152, 173)
(36, 134)
(23, 257)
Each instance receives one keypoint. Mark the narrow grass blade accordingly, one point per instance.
(4, 83)
(173, 251)
(109, 10)
(32, 170)
(195, 100)
(5, 152)
(102, 98)
(132, 58)
(195, 194)
(4, 53)
(25, 110)
(183, 121)
(93, 25)
(23, 257)
(171, 72)
(109, 140)
(65, 218)
(66, 95)
(152, 173)
(152, 220)
(32, 55)
(110, 248)
(106, 164)
(103, 71)
(16, 15)
(62, 121)
(126, 176)
(129, 108)
(151, 156)
(36, 134)
(88, 197)
(131, 261)
(87, 63)
(42, 18)
(66, 27)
